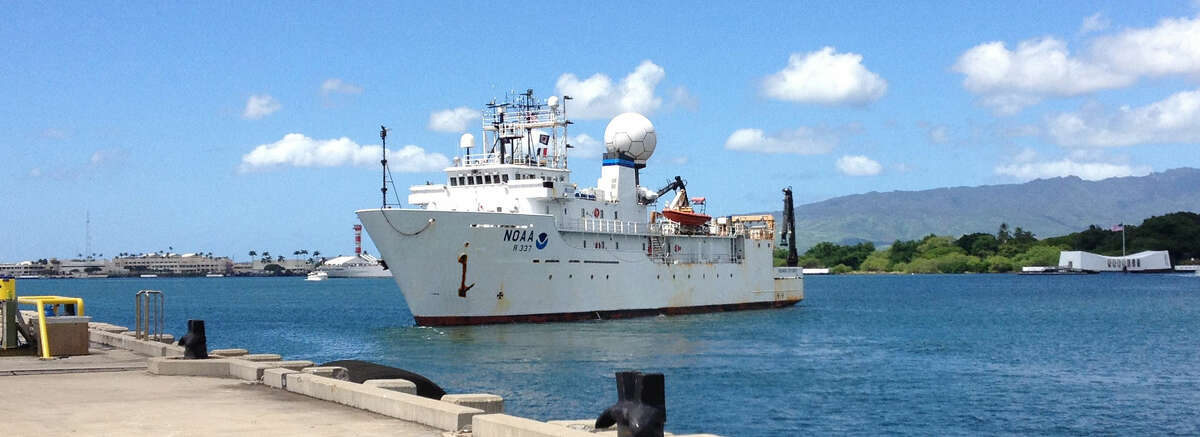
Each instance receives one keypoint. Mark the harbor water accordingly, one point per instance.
(868, 355)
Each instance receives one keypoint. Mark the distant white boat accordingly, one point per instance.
(357, 266)
(149, 276)
(29, 277)
(317, 276)
(214, 275)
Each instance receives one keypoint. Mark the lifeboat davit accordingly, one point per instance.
(686, 217)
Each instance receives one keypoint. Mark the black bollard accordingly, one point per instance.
(195, 344)
(641, 408)
(360, 371)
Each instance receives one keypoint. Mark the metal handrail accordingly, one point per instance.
(149, 304)
(41, 302)
(605, 226)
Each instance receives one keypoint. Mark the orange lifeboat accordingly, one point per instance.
(685, 216)
(680, 210)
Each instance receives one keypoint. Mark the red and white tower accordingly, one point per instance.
(358, 239)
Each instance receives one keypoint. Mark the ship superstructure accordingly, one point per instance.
(509, 237)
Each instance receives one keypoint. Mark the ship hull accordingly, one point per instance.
(522, 268)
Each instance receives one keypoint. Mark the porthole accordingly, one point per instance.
(592, 276)
(605, 276)
(550, 277)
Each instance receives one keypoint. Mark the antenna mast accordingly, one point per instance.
(383, 163)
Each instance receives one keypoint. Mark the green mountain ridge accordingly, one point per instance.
(1047, 207)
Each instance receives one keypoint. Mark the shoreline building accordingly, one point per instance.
(1141, 262)
(186, 264)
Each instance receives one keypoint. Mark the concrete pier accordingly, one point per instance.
(127, 386)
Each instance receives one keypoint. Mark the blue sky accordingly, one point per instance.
(223, 128)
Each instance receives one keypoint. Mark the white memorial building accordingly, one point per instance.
(1148, 261)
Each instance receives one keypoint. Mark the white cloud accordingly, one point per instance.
(1092, 171)
(35, 172)
(858, 165)
(1026, 155)
(679, 160)
(55, 134)
(1175, 119)
(297, 150)
(939, 135)
(1094, 23)
(681, 97)
(1172, 47)
(1009, 80)
(800, 141)
(1086, 164)
(338, 86)
(825, 77)
(597, 97)
(586, 147)
(452, 120)
(1024, 130)
(259, 106)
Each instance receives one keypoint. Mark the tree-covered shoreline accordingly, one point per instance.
(1007, 250)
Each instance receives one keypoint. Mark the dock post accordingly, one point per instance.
(8, 295)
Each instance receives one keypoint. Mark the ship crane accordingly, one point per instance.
(680, 209)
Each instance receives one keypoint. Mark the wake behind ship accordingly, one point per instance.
(510, 238)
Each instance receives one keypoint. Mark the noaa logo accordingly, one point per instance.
(542, 241)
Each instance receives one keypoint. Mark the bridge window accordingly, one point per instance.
(504, 178)
(453, 182)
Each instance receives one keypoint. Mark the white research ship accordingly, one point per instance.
(510, 238)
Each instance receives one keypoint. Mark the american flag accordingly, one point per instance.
(1118, 228)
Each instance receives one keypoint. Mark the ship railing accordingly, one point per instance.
(479, 159)
(543, 115)
(695, 258)
(604, 226)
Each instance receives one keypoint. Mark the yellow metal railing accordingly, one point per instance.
(41, 302)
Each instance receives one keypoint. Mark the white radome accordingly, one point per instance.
(631, 133)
